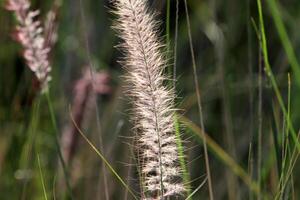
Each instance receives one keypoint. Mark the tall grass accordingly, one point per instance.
(230, 67)
(153, 109)
(199, 103)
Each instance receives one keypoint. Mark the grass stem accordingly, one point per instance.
(210, 189)
(56, 135)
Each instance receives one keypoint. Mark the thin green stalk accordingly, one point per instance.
(251, 92)
(168, 42)
(168, 22)
(168, 29)
(180, 148)
(199, 104)
(289, 107)
(92, 70)
(222, 155)
(26, 151)
(196, 190)
(285, 145)
(42, 177)
(250, 167)
(186, 177)
(260, 118)
(105, 161)
(53, 121)
(26, 155)
(286, 179)
(284, 38)
(270, 75)
(286, 138)
(175, 45)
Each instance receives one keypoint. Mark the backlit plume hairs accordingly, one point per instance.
(29, 33)
(153, 109)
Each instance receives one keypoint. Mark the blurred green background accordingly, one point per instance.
(238, 100)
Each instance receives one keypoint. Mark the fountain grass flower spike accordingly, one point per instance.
(29, 33)
(153, 103)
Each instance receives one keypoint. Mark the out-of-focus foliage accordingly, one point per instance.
(228, 60)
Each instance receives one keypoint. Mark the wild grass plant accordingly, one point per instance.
(199, 100)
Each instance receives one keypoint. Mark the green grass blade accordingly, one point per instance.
(186, 177)
(168, 28)
(113, 171)
(221, 154)
(42, 177)
(196, 190)
(199, 101)
(31, 134)
(26, 158)
(284, 38)
(56, 136)
(270, 74)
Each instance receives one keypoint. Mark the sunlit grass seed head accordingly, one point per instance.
(29, 33)
(153, 108)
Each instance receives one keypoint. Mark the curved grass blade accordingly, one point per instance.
(42, 177)
(284, 38)
(180, 147)
(113, 171)
(269, 72)
(196, 190)
(221, 154)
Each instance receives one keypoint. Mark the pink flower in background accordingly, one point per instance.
(84, 89)
(29, 33)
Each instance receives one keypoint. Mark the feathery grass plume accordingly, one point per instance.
(153, 109)
(29, 33)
